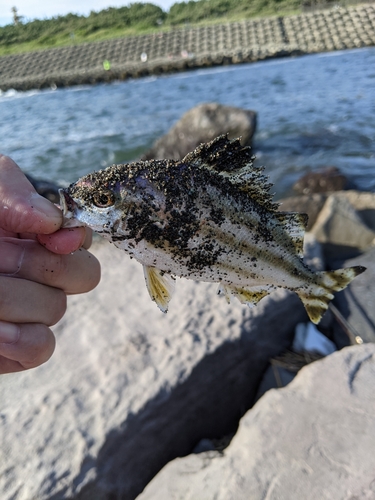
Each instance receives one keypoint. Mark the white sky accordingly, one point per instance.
(40, 9)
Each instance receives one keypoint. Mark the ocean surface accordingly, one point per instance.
(313, 111)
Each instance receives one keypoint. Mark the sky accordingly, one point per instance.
(41, 9)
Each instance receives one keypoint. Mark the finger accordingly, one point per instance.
(23, 210)
(74, 273)
(23, 301)
(24, 346)
(64, 241)
(88, 238)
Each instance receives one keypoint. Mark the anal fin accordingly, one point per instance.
(249, 296)
(160, 286)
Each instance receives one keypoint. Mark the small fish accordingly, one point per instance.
(209, 217)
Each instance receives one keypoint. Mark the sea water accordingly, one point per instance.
(313, 111)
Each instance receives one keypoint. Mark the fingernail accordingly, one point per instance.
(9, 333)
(46, 207)
(11, 257)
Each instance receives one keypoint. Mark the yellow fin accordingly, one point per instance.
(160, 286)
(295, 225)
(249, 296)
(317, 297)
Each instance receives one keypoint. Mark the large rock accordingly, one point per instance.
(130, 388)
(364, 203)
(341, 228)
(307, 204)
(202, 124)
(314, 439)
(357, 303)
(324, 180)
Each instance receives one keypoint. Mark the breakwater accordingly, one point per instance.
(189, 48)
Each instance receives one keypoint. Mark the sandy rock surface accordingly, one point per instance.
(314, 439)
(130, 388)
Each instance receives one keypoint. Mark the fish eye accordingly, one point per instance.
(103, 199)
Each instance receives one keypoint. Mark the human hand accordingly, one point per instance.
(40, 264)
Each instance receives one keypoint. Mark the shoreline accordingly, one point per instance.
(190, 48)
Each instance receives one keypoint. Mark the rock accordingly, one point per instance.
(321, 181)
(304, 441)
(340, 228)
(307, 204)
(130, 388)
(364, 203)
(313, 253)
(202, 124)
(356, 303)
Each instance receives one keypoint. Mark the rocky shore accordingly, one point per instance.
(129, 390)
(189, 48)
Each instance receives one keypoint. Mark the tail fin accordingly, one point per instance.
(317, 297)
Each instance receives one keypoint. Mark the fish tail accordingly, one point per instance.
(317, 297)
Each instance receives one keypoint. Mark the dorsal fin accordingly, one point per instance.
(235, 163)
(295, 225)
(221, 155)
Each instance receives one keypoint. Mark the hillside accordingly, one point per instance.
(186, 48)
(138, 18)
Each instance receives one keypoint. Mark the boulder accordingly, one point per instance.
(130, 388)
(202, 124)
(323, 180)
(364, 204)
(341, 229)
(307, 204)
(313, 253)
(313, 439)
(357, 302)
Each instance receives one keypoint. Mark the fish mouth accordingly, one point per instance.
(69, 210)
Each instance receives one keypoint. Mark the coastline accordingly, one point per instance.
(190, 48)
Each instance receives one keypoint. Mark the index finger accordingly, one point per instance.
(22, 209)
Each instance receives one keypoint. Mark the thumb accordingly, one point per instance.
(22, 209)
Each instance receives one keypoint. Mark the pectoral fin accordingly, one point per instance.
(160, 286)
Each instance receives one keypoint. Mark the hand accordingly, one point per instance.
(38, 269)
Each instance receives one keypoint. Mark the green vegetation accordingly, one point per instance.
(134, 19)
(205, 10)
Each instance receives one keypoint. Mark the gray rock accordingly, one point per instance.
(341, 229)
(364, 203)
(313, 439)
(313, 253)
(130, 388)
(324, 180)
(357, 302)
(202, 124)
(307, 204)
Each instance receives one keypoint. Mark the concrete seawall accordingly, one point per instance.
(188, 48)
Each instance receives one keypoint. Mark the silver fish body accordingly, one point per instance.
(208, 217)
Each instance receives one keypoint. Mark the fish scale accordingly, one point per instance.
(209, 217)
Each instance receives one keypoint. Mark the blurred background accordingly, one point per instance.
(313, 112)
